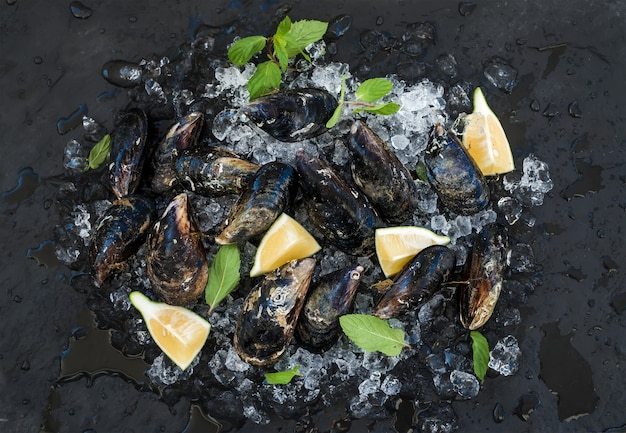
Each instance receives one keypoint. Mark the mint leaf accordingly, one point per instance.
(99, 153)
(284, 27)
(265, 79)
(281, 53)
(244, 49)
(337, 113)
(373, 89)
(304, 33)
(223, 275)
(282, 377)
(480, 351)
(372, 334)
(383, 109)
(420, 171)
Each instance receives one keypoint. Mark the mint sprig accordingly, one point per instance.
(373, 334)
(99, 153)
(223, 275)
(480, 351)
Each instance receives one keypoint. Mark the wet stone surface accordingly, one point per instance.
(578, 230)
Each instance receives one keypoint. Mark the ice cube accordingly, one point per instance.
(234, 362)
(511, 209)
(391, 385)
(465, 384)
(371, 384)
(500, 74)
(505, 356)
(75, 157)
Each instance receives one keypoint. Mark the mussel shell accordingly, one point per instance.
(213, 171)
(332, 297)
(479, 296)
(340, 212)
(293, 115)
(128, 150)
(270, 312)
(265, 198)
(176, 260)
(118, 234)
(418, 281)
(182, 135)
(454, 175)
(380, 175)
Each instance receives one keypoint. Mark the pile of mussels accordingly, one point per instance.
(347, 216)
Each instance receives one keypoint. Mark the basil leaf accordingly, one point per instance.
(383, 109)
(480, 351)
(373, 89)
(265, 79)
(99, 153)
(282, 377)
(372, 334)
(304, 33)
(223, 275)
(244, 49)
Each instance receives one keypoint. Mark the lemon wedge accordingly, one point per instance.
(285, 240)
(179, 332)
(396, 246)
(485, 140)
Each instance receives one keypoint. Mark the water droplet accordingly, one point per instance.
(11, 2)
(379, 20)
(38, 60)
(535, 105)
(132, 19)
(25, 401)
(574, 110)
(79, 10)
(25, 365)
(466, 8)
(551, 111)
(17, 299)
(27, 182)
(71, 411)
(498, 413)
(526, 405)
(66, 124)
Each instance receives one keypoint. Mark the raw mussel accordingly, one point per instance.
(119, 232)
(454, 175)
(265, 198)
(293, 115)
(341, 213)
(182, 135)
(417, 282)
(128, 150)
(176, 261)
(332, 297)
(380, 175)
(213, 171)
(270, 313)
(478, 297)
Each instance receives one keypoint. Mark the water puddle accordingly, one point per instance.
(201, 423)
(44, 254)
(590, 181)
(66, 124)
(90, 354)
(27, 183)
(566, 373)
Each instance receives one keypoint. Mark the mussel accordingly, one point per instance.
(340, 212)
(332, 297)
(380, 175)
(213, 171)
(118, 234)
(182, 135)
(478, 297)
(265, 198)
(293, 115)
(454, 175)
(270, 312)
(176, 262)
(417, 282)
(128, 149)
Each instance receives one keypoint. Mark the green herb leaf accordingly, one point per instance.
(265, 79)
(99, 153)
(281, 52)
(282, 377)
(223, 275)
(337, 113)
(420, 170)
(304, 33)
(480, 350)
(284, 27)
(244, 49)
(373, 89)
(372, 334)
(383, 109)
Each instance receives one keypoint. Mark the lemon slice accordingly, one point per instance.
(179, 332)
(485, 140)
(285, 240)
(396, 246)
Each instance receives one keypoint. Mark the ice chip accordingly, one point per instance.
(399, 142)
(505, 356)
(465, 384)
(521, 258)
(371, 384)
(75, 157)
(391, 385)
(510, 208)
(234, 362)
(500, 74)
